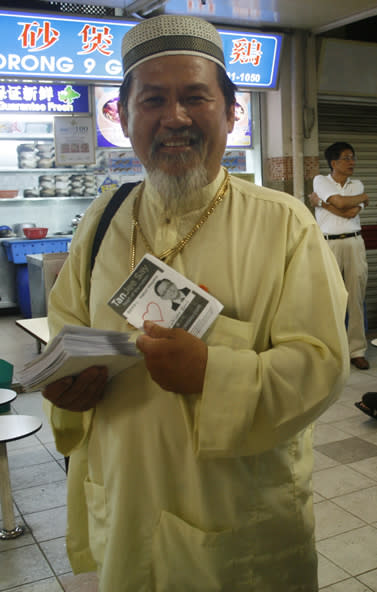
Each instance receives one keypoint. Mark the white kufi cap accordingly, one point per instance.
(171, 35)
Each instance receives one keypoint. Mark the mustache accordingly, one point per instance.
(194, 137)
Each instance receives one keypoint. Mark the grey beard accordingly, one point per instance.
(180, 193)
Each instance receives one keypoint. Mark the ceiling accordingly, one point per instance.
(318, 16)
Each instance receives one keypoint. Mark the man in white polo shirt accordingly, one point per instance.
(338, 200)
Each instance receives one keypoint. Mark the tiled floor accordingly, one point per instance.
(345, 485)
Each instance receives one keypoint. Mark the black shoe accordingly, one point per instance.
(368, 404)
(360, 363)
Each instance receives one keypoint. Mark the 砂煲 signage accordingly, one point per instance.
(49, 46)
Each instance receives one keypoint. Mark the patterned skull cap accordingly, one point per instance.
(171, 35)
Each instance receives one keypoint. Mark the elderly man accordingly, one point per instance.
(191, 471)
(338, 199)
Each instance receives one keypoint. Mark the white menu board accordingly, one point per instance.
(74, 143)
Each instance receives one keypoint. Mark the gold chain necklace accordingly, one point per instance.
(169, 254)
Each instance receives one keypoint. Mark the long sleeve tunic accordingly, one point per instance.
(208, 492)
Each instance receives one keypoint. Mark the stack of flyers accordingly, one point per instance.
(76, 348)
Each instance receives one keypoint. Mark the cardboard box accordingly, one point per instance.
(43, 269)
(52, 264)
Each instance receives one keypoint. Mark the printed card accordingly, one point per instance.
(156, 292)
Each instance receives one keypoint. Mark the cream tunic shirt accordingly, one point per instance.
(207, 492)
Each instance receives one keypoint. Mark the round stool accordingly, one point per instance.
(12, 427)
(6, 396)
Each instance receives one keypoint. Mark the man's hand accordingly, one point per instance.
(314, 199)
(175, 359)
(78, 393)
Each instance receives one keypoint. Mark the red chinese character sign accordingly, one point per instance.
(96, 38)
(55, 47)
(246, 51)
(252, 59)
(38, 35)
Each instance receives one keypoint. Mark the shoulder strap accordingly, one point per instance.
(111, 208)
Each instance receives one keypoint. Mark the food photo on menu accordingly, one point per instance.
(109, 130)
(240, 137)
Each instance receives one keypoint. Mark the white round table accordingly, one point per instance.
(6, 397)
(12, 427)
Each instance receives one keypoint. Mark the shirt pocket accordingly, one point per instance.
(188, 559)
(97, 518)
(231, 332)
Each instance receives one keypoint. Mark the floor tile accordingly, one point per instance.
(366, 467)
(317, 498)
(371, 436)
(331, 520)
(350, 394)
(350, 400)
(22, 566)
(81, 583)
(365, 381)
(35, 454)
(351, 585)
(353, 551)
(362, 504)
(328, 573)
(321, 461)
(61, 463)
(29, 403)
(56, 553)
(23, 443)
(48, 524)
(338, 412)
(339, 480)
(324, 433)
(52, 450)
(361, 426)
(49, 585)
(348, 450)
(370, 579)
(36, 475)
(44, 497)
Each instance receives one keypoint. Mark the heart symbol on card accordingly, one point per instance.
(153, 313)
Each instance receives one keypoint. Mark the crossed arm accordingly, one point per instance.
(340, 205)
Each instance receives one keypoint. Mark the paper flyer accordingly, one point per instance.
(156, 292)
